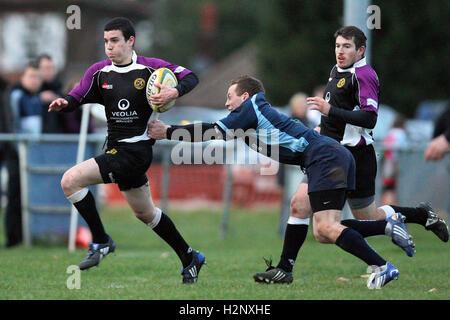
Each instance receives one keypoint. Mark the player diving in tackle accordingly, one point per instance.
(349, 110)
(329, 166)
(119, 84)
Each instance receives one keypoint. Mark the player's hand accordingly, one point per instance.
(436, 148)
(165, 95)
(319, 104)
(57, 105)
(157, 130)
(48, 96)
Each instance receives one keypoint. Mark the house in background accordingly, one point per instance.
(29, 28)
(214, 82)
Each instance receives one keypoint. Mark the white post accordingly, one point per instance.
(80, 157)
(23, 168)
(355, 14)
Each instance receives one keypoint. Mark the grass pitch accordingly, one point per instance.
(144, 267)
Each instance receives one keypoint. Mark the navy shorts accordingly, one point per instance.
(126, 164)
(329, 166)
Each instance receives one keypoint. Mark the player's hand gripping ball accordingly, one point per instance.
(165, 77)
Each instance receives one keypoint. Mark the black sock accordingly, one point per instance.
(294, 237)
(413, 215)
(366, 228)
(87, 209)
(168, 232)
(352, 242)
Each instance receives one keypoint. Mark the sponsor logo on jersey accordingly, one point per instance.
(123, 104)
(327, 96)
(107, 86)
(139, 83)
(112, 151)
(124, 113)
(341, 83)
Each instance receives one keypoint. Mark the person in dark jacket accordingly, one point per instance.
(9, 158)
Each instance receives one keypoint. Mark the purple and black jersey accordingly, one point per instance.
(352, 89)
(121, 89)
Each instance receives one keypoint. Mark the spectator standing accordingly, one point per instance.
(395, 139)
(50, 90)
(10, 159)
(26, 103)
(440, 144)
(299, 108)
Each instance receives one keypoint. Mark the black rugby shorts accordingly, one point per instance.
(366, 171)
(126, 164)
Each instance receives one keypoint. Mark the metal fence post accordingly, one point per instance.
(165, 179)
(80, 157)
(23, 168)
(285, 201)
(226, 200)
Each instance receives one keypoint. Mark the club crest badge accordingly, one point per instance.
(139, 83)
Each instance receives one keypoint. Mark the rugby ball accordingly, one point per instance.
(165, 77)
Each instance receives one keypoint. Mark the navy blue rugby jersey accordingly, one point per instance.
(264, 128)
(354, 88)
(121, 89)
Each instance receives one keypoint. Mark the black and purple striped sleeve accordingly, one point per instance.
(368, 89)
(87, 91)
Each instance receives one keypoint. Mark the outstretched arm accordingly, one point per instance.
(66, 104)
(196, 132)
(57, 104)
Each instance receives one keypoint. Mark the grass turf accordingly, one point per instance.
(144, 267)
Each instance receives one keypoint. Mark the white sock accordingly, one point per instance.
(78, 196)
(156, 219)
(295, 220)
(388, 210)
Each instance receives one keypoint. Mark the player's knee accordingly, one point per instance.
(145, 215)
(323, 232)
(318, 236)
(300, 207)
(68, 183)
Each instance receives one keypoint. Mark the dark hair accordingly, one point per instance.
(33, 64)
(122, 24)
(399, 122)
(352, 33)
(247, 84)
(41, 57)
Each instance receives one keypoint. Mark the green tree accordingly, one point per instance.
(296, 46)
(180, 36)
(410, 52)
